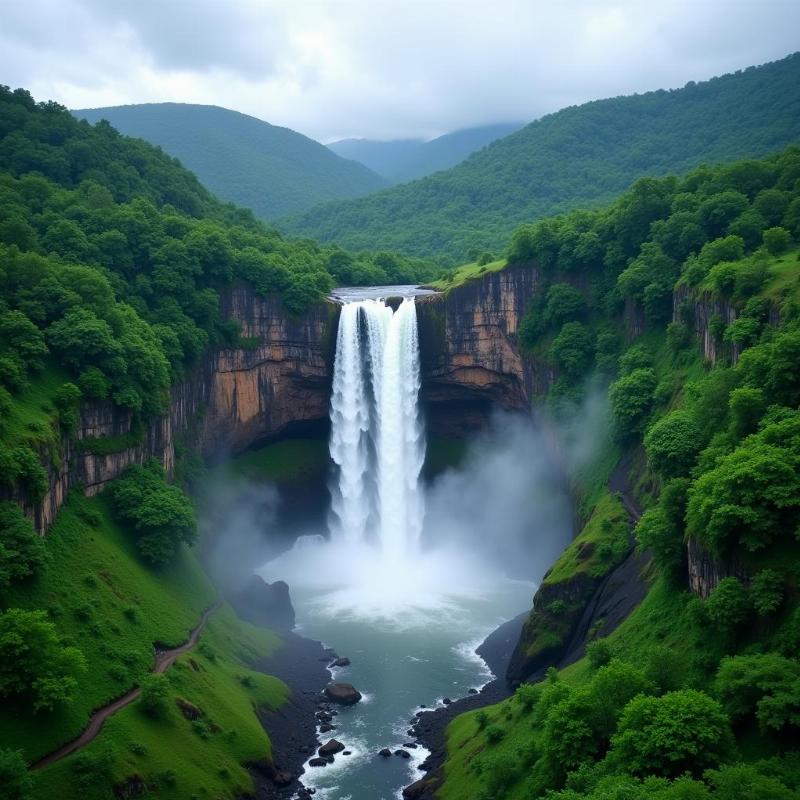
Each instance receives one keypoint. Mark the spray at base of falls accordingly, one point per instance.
(376, 440)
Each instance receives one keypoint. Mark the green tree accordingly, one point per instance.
(765, 686)
(160, 514)
(672, 444)
(34, 662)
(154, 696)
(571, 350)
(631, 398)
(22, 551)
(15, 779)
(766, 591)
(777, 240)
(728, 606)
(680, 732)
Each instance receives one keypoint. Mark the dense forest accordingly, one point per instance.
(401, 160)
(691, 697)
(113, 257)
(243, 160)
(577, 157)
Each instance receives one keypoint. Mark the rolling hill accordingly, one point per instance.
(402, 160)
(579, 156)
(272, 170)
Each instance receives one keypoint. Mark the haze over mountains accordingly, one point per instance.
(244, 160)
(579, 156)
(402, 160)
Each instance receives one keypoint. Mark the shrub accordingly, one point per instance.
(22, 550)
(766, 591)
(527, 695)
(34, 662)
(66, 400)
(728, 605)
(631, 401)
(766, 685)
(155, 692)
(482, 719)
(494, 733)
(161, 514)
(599, 653)
(15, 780)
(680, 732)
(777, 240)
(672, 444)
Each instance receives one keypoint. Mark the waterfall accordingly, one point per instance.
(376, 435)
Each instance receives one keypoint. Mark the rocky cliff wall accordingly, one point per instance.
(234, 398)
(470, 359)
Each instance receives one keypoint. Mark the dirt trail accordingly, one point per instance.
(164, 659)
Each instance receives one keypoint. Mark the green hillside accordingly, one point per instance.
(403, 160)
(690, 697)
(243, 160)
(580, 156)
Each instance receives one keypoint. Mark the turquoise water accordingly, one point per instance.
(419, 654)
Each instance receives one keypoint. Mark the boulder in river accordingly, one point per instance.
(318, 762)
(340, 662)
(386, 752)
(447, 701)
(402, 753)
(342, 693)
(330, 748)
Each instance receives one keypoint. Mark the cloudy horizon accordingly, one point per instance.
(381, 70)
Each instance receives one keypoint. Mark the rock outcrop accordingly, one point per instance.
(232, 399)
(469, 356)
(264, 604)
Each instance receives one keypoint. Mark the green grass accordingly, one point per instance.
(105, 600)
(467, 272)
(207, 756)
(783, 284)
(289, 460)
(601, 543)
(33, 419)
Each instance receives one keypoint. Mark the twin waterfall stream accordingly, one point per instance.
(377, 440)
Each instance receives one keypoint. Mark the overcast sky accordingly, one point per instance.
(380, 69)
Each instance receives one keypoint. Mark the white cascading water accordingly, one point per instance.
(376, 436)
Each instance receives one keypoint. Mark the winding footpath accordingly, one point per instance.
(163, 660)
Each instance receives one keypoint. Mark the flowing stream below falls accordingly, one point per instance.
(407, 608)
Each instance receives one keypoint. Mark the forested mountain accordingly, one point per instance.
(402, 160)
(112, 257)
(578, 156)
(684, 296)
(243, 160)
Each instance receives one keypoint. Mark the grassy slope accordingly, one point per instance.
(466, 272)
(106, 601)
(203, 758)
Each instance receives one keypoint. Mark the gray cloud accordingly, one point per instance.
(377, 68)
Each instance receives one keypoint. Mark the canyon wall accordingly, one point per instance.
(232, 399)
(470, 359)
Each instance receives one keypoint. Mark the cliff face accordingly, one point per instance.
(470, 360)
(234, 398)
